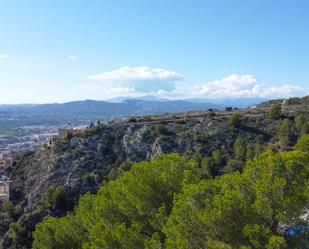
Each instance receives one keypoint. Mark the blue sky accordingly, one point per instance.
(63, 50)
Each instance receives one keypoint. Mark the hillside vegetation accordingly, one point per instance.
(49, 182)
(166, 203)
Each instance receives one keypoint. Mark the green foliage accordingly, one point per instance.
(165, 203)
(216, 155)
(235, 119)
(114, 173)
(8, 207)
(61, 233)
(132, 119)
(233, 165)
(304, 128)
(249, 153)
(258, 121)
(303, 143)
(58, 199)
(299, 120)
(68, 135)
(208, 167)
(257, 149)
(197, 156)
(274, 112)
(128, 211)
(272, 188)
(240, 148)
(270, 147)
(211, 113)
(161, 130)
(91, 130)
(276, 242)
(285, 133)
(280, 183)
(298, 101)
(16, 230)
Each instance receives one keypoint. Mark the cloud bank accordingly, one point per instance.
(137, 73)
(237, 86)
(143, 80)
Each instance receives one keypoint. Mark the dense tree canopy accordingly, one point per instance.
(242, 210)
(166, 203)
(303, 143)
(126, 212)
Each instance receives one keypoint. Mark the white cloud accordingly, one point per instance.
(143, 79)
(100, 91)
(4, 56)
(73, 57)
(121, 90)
(237, 86)
(137, 73)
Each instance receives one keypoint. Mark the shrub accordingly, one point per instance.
(284, 133)
(216, 155)
(8, 207)
(303, 143)
(305, 128)
(299, 121)
(161, 130)
(235, 119)
(208, 167)
(132, 119)
(274, 112)
(240, 148)
(233, 165)
(58, 199)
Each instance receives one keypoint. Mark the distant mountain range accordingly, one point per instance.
(235, 102)
(81, 112)
(221, 103)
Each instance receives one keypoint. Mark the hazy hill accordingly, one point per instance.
(235, 102)
(81, 112)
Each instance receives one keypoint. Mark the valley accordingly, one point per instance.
(26, 127)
